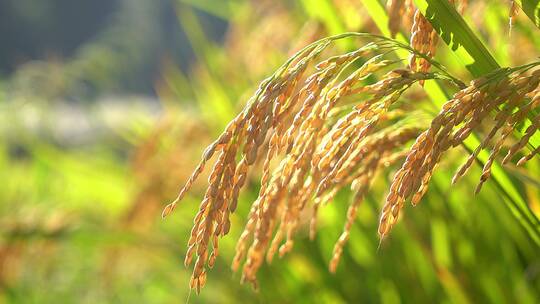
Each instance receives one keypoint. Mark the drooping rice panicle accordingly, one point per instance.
(318, 128)
(424, 39)
(412, 179)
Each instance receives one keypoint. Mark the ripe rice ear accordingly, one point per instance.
(292, 117)
(468, 108)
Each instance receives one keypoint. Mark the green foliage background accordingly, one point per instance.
(80, 210)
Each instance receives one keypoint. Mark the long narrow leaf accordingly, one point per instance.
(458, 36)
(532, 9)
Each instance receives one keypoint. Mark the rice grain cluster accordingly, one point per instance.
(317, 130)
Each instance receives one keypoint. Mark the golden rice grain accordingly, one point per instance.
(320, 129)
(468, 109)
(423, 39)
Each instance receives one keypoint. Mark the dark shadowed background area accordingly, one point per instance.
(129, 39)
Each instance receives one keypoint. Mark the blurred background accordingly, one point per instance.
(105, 108)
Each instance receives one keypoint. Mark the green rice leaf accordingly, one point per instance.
(531, 9)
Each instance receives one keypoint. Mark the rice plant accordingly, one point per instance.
(320, 124)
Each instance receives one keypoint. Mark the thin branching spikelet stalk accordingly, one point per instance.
(318, 128)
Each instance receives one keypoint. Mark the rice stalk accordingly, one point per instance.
(302, 119)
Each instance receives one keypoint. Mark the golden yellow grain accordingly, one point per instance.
(424, 40)
(468, 108)
(318, 129)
